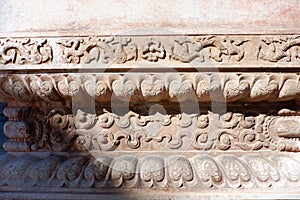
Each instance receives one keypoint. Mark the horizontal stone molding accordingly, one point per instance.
(156, 51)
(154, 87)
(150, 171)
(60, 130)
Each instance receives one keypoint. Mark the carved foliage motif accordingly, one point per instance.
(223, 87)
(284, 131)
(185, 49)
(128, 171)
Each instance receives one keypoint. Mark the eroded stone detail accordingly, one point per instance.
(183, 49)
(96, 49)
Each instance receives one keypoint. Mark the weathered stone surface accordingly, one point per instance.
(111, 17)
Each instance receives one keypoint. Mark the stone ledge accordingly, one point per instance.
(159, 194)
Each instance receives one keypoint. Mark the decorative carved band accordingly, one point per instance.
(254, 50)
(175, 87)
(29, 130)
(150, 171)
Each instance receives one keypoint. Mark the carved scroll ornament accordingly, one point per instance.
(28, 130)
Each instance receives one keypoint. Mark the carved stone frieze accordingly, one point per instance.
(61, 130)
(176, 87)
(194, 50)
(181, 48)
(230, 131)
(150, 171)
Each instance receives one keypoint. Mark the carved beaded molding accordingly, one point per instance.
(218, 50)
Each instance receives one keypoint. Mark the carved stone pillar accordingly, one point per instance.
(201, 113)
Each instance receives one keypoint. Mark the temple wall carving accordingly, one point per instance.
(206, 111)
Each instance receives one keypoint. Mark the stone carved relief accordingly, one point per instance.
(129, 171)
(62, 131)
(238, 49)
(210, 131)
(183, 49)
(109, 134)
(17, 129)
(186, 49)
(25, 51)
(223, 87)
(279, 49)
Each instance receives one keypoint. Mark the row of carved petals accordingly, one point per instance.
(230, 87)
(201, 171)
